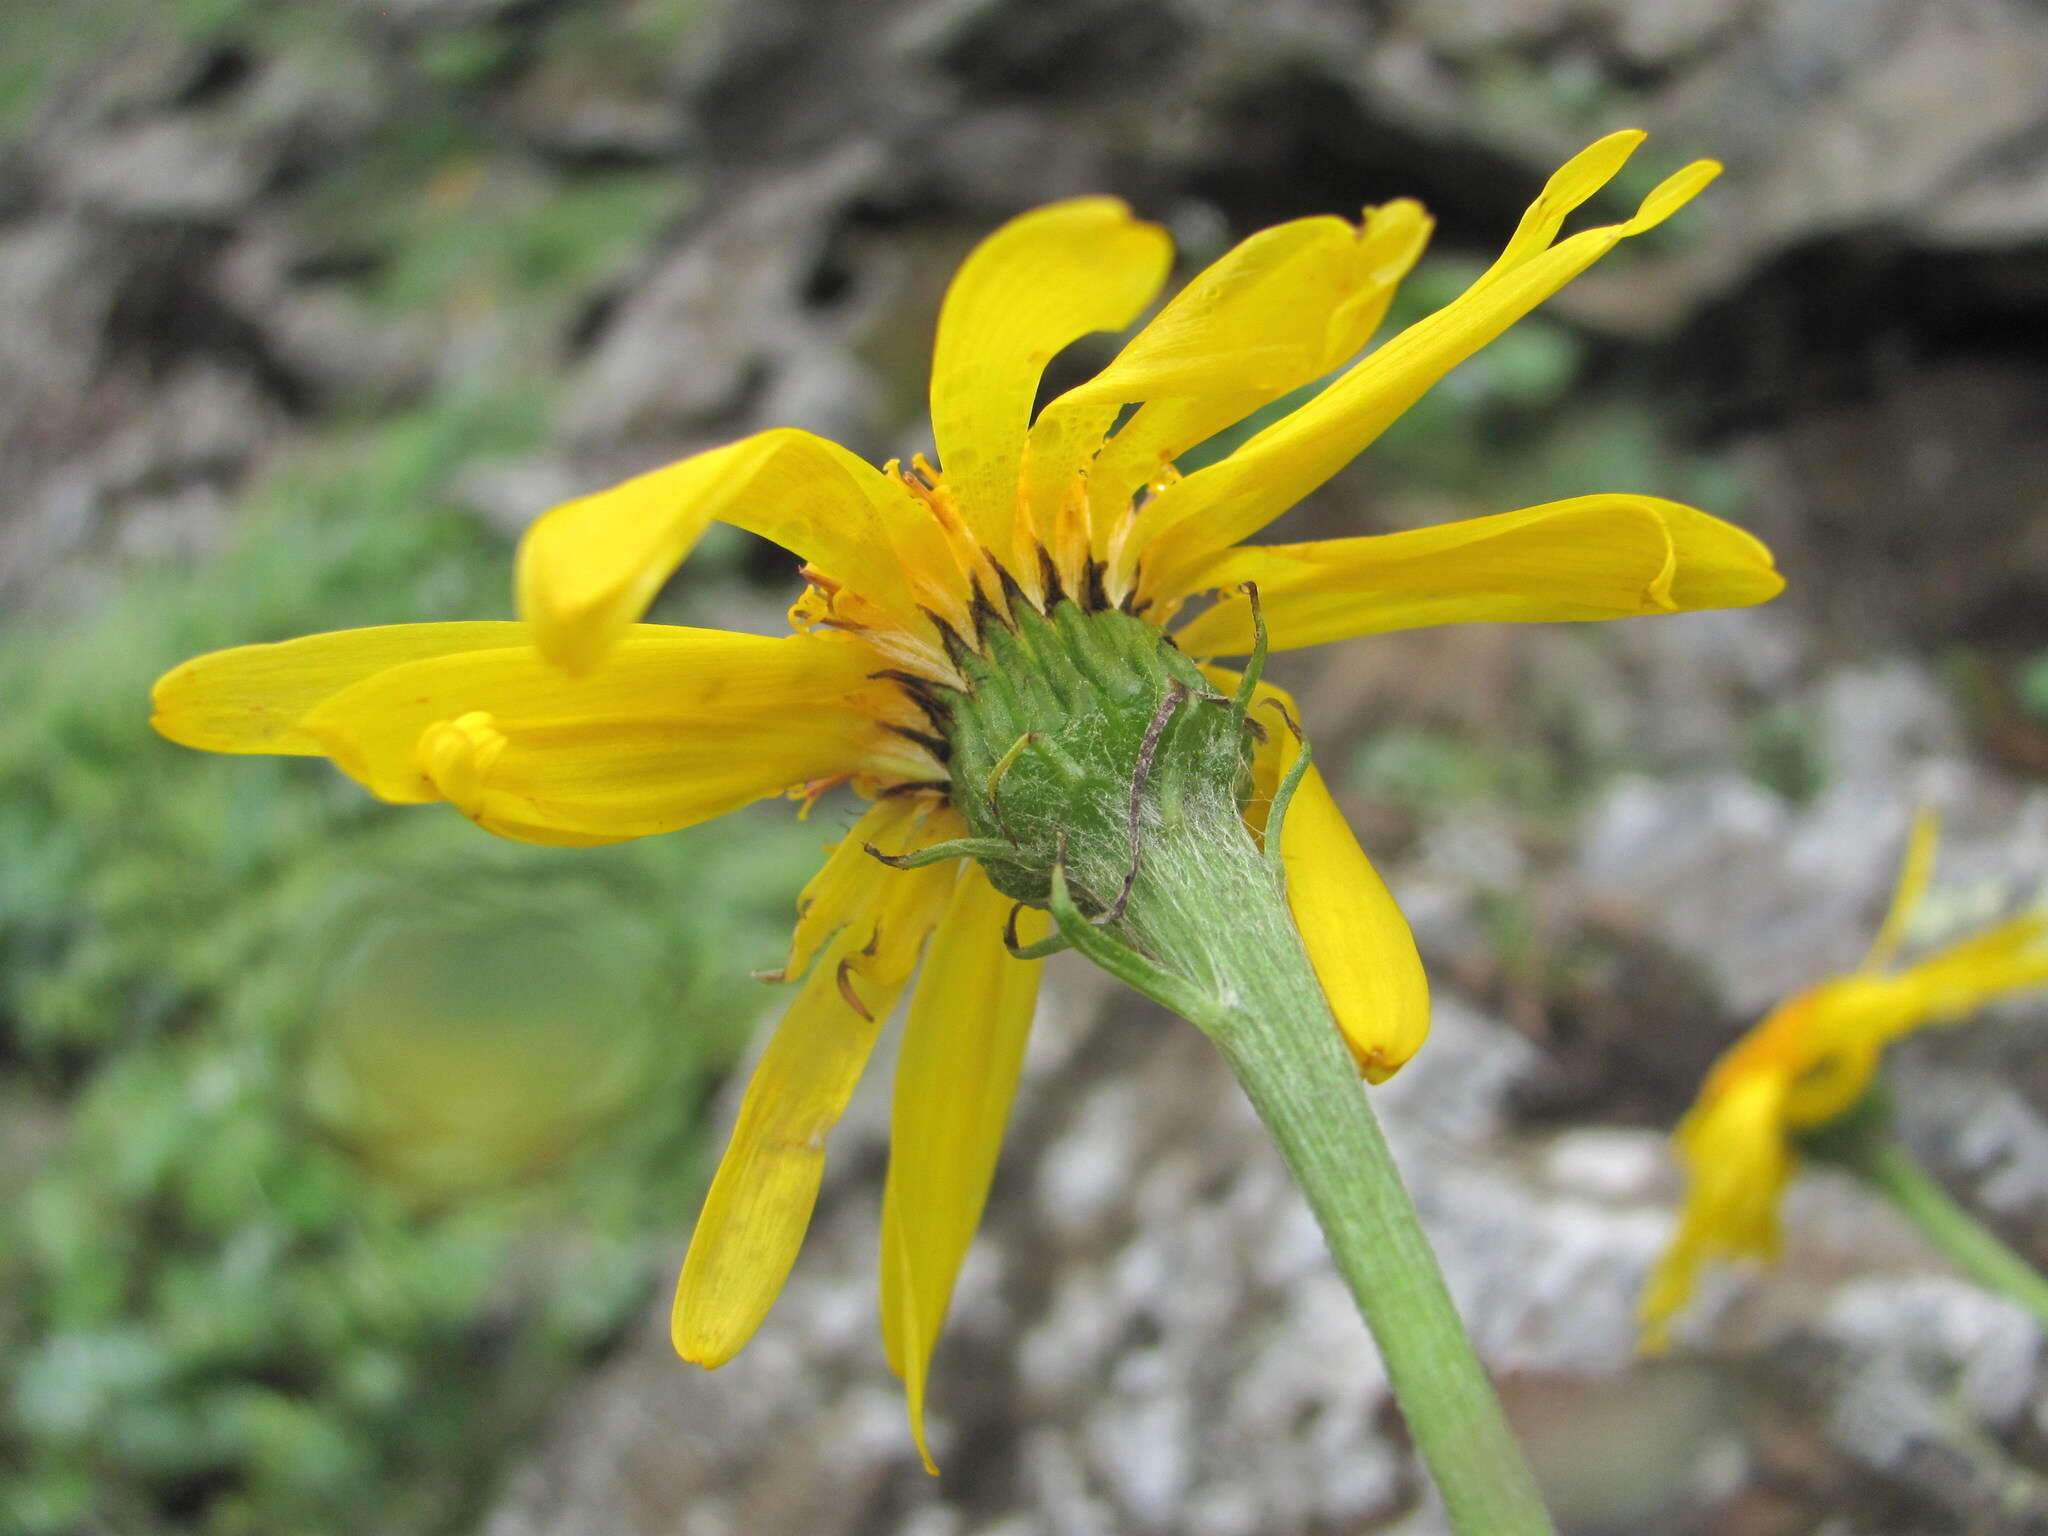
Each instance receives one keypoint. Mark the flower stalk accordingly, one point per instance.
(1864, 1143)
(1107, 782)
(1206, 901)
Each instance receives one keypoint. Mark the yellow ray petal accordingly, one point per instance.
(1570, 185)
(680, 725)
(1357, 939)
(1379, 255)
(849, 881)
(590, 567)
(1914, 871)
(1040, 282)
(1592, 557)
(1828, 1039)
(761, 1199)
(1281, 308)
(852, 880)
(1737, 1163)
(963, 1047)
(252, 698)
(1957, 979)
(1223, 503)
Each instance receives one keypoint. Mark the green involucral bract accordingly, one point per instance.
(1079, 735)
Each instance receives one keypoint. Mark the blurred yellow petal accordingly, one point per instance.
(1737, 1165)
(1829, 1039)
(1832, 1082)
(1805, 1065)
(1216, 507)
(1592, 557)
(963, 1047)
(1279, 309)
(678, 726)
(252, 698)
(1914, 871)
(761, 1199)
(589, 568)
(1359, 943)
(1959, 978)
(1039, 283)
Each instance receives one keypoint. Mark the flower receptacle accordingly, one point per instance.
(1079, 736)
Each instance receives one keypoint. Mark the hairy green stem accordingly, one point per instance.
(1207, 906)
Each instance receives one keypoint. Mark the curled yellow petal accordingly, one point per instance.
(761, 1199)
(1040, 282)
(963, 1047)
(1591, 557)
(678, 726)
(1190, 521)
(252, 698)
(456, 755)
(589, 568)
(1279, 309)
(1570, 185)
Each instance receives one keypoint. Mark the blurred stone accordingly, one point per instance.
(508, 494)
(1671, 32)
(329, 336)
(1931, 1371)
(155, 485)
(164, 168)
(1765, 895)
(691, 344)
(319, 101)
(570, 107)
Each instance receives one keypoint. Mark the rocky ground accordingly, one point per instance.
(669, 223)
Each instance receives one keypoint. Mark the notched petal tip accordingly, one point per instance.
(1377, 1063)
(170, 720)
(694, 1351)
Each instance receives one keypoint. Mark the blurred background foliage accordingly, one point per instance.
(337, 1139)
(337, 1142)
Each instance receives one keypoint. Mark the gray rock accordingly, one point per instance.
(184, 168)
(692, 344)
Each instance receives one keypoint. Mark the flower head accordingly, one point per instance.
(929, 593)
(1807, 1065)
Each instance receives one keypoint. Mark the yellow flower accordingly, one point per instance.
(582, 725)
(1808, 1063)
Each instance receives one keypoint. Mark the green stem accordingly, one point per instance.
(1101, 774)
(1863, 1143)
(1208, 907)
